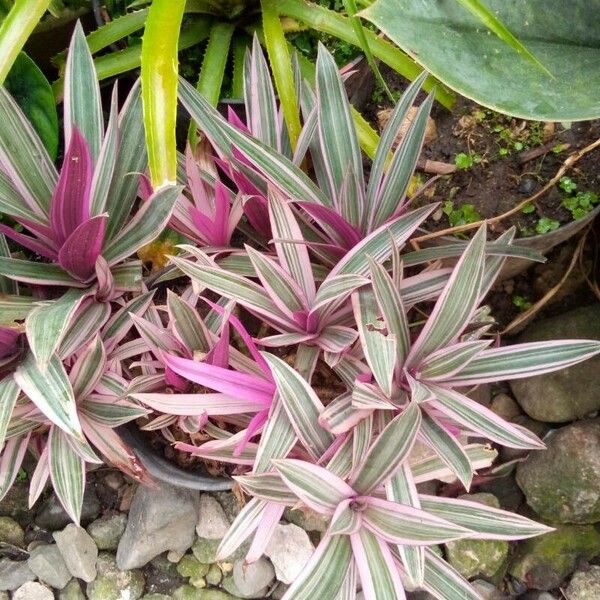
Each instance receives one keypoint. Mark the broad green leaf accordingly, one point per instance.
(82, 103)
(47, 324)
(324, 574)
(187, 324)
(453, 45)
(317, 487)
(159, 88)
(51, 392)
(345, 520)
(13, 205)
(445, 363)
(490, 523)
(30, 88)
(67, 472)
(14, 308)
(302, 406)
(88, 320)
(111, 414)
(16, 27)
(88, 368)
(388, 451)
(281, 65)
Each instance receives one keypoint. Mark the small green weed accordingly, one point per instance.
(522, 303)
(460, 215)
(466, 161)
(577, 203)
(545, 225)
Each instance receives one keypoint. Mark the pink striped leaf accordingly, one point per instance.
(267, 486)
(481, 420)
(525, 360)
(302, 406)
(400, 524)
(317, 487)
(11, 459)
(455, 306)
(325, 572)
(443, 581)
(199, 404)
(88, 368)
(487, 522)
(446, 362)
(388, 451)
(378, 574)
(244, 525)
(345, 520)
(70, 204)
(78, 254)
(9, 392)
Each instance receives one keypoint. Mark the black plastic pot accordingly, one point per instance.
(164, 471)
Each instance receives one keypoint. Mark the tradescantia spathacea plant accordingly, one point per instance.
(315, 357)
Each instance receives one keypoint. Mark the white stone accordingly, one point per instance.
(289, 550)
(32, 590)
(213, 523)
(79, 551)
(48, 565)
(252, 577)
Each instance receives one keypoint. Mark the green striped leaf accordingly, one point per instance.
(448, 449)
(277, 438)
(379, 347)
(389, 450)
(525, 360)
(302, 406)
(445, 582)
(187, 324)
(111, 414)
(67, 472)
(456, 304)
(15, 308)
(490, 523)
(37, 273)
(324, 574)
(267, 486)
(88, 368)
(9, 392)
(51, 392)
(446, 362)
(11, 460)
(88, 321)
(47, 324)
(82, 103)
(246, 522)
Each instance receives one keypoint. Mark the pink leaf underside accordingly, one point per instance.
(33, 244)
(197, 186)
(255, 209)
(345, 234)
(8, 341)
(254, 427)
(269, 520)
(246, 337)
(219, 354)
(70, 204)
(223, 380)
(145, 187)
(80, 250)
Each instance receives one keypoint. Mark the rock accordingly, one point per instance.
(280, 591)
(504, 406)
(154, 596)
(162, 576)
(585, 585)
(562, 483)
(306, 518)
(537, 427)
(52, 515)
(49, 567)
(72, 591)
(160, 519)
(213, 523)
(107, 531)
(113, 583)
(506, 490)
(570, 393)
(188, 592)
(543, 562)
(14, 574)
(33, 591)
(191, 567)
(289, 550)
(228, 584)
(78, 550)
(252, 578)
(482, 558)
(11, 532)
(214, 575)
(486, 590)
(383, 117)
(15, 503)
